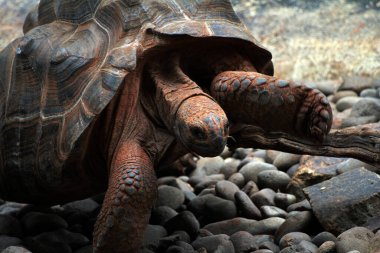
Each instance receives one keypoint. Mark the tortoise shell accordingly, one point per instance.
(73, 59)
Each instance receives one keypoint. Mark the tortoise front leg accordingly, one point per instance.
(130, 196)
(273, 104)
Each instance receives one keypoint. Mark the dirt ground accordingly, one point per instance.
(310, 40)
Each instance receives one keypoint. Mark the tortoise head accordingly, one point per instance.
(202, 126)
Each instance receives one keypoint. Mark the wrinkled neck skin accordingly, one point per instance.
(128, 119)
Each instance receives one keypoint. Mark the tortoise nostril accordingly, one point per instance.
(198, 132)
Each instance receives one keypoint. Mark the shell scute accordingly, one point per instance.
(73, 59)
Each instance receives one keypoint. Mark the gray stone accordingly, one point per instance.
(262, 239)
(273, 211)
(366, 107)
(328, 87)
(56, 241)
(376, 82)
(213, 208)
(185, 221)
(246, 207)
(6, 241)
(292, 170)
(274, 179)
(296, 223)
(293, 238)
(374, 244)
(260, 153)
(10, 226)
(11, 208)
(341, 94)
(307, 247)
(16, 249)
(216, 177)
(245, 161)
(271, 155)
(303, 205)
(243, 242)
(160, 215)
(170, 196)
(323, 237)
(230, 167)
(207, 191)
(265, 197)
(303, 246)
(250, 188)
(48, 246)
(335, 202)
(241, 153)
(167, 180)
(215, 243)
(346, 103)
(206, 184)
(270, 245)
(226, 190)
(208, 166)
(356, 83)
(360, 120)
(252, 169)
(229, 227)
(284, 161)
(177, 236)
(180, 247)
(267, 226)
(237, 179)
(85, 205)
(351, 163)
(283, 200)
(189, 196)
(152, 236)
(327, 247)
(370, 92)
(356, 238)
(85, 249)
(182, 185)
(37, 222)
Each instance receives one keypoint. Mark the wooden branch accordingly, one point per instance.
(360, 142)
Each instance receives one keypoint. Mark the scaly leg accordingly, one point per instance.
(126, 208)
(273, 104)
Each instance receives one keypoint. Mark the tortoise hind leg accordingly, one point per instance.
(128, 201)
(273, 104)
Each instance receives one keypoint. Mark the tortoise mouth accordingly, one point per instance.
(203, 146)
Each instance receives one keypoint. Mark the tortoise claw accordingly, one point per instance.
(273, 104)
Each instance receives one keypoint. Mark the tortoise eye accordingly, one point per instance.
(198, 132)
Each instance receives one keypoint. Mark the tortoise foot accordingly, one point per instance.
(316, 109)
(273, 104)
(126, 208)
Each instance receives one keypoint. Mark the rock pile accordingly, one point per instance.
(244, 200)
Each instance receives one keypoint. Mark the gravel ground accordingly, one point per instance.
(248, 188)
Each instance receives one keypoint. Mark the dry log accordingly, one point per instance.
(360, 142)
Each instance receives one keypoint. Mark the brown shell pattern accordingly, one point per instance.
(72, 60)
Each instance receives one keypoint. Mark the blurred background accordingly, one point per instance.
(309, 39)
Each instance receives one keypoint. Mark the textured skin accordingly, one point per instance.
(98, 94)
(257, 99)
